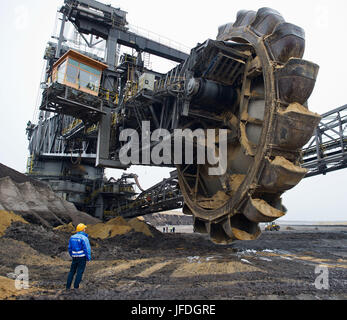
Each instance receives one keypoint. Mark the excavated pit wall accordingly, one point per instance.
(36, 202)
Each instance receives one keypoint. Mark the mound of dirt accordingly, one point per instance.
(140, 226)
(36, 202)
(14, 253)
(69, 228)
(109, 229)
(6, 219)
(112, 228)
(8, 289)
(44, 240)
(29, 243)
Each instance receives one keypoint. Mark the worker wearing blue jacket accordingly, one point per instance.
(79, 250)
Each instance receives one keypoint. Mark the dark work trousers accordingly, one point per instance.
(78, 265)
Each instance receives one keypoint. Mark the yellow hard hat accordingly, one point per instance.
(81, 227)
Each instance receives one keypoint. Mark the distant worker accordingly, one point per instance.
(79, 250)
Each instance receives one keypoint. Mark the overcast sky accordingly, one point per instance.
(26, 27)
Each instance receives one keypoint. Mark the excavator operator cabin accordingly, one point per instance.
(78, 71)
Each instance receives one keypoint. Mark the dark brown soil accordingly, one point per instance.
(279, 265)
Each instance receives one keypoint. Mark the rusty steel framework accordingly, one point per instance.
(250, 81)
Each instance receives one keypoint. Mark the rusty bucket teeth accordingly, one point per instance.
(239, 227)
(244, 18)
(295, 126)
(296, 80)
(258, 210)
(218, 234)
(224, 30)
(266, 21)
(280, 175)
(200, 226)
(287, 41)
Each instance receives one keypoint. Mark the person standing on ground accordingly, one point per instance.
(79, 250)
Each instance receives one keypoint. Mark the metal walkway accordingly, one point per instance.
(327, 149)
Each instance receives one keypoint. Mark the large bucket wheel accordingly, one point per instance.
(268, 128)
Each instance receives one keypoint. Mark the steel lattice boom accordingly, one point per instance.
(327, 149)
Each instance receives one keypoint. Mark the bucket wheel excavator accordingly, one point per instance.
(251, 82)
(254, 78)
